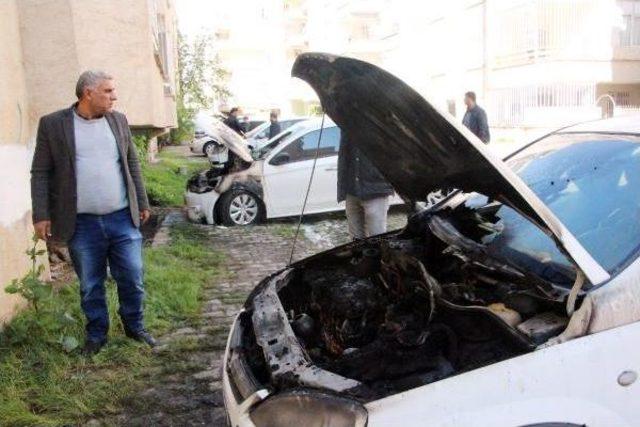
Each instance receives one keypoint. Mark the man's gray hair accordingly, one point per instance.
(90, 79)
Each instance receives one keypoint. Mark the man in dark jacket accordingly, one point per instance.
(232, 121)
(274, 128)
(475, 118)
(87, 191)
(364, 190)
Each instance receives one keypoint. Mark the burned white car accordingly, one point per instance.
(241, 190)
(513, 302)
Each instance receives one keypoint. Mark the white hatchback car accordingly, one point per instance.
(238, 190)
(514, 302)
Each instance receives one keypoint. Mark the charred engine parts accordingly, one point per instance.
(205, 181)
(543, 326)
(349, 310)
(367, 263)
(304, 326)
(389, 314)
(376, 314)
(287, 360)
(509, 316)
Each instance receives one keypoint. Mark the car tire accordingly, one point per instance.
(208, 146)
(240, 207)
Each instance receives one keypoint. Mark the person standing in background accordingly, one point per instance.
(232, 121)
(475, 118)
(274, 128)
(364, 190)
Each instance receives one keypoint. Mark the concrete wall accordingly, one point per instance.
(62, 38)
(16, 135)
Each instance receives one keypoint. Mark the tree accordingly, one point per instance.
(201, 82)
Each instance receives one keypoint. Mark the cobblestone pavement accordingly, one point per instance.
(192, 396)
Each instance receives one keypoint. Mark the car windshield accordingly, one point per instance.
(256, 130)
(591, 182)
(273, 143)
(262, 131)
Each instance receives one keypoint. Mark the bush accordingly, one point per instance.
(184, 131)
(141, 141)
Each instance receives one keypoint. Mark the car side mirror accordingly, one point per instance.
(280, 159)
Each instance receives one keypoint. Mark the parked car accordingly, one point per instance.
(512, 302)
(208, 140)
(259, 136)
(274, 185)
(251, 124)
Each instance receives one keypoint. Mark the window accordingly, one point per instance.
(630, 33)
(591, 183)
(304, 148)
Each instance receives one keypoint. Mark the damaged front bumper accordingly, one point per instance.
(248, 403)
(238, 395)
(200, 207)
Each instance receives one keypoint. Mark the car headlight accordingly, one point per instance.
(309, 409)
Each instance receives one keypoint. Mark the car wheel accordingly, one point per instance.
(209, 148)
(240, 207)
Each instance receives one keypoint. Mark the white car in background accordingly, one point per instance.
(209, 142)
(239, 190)
(208, 137)
(259, 136)
(514, 302)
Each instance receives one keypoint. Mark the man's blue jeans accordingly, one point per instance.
(111, 238)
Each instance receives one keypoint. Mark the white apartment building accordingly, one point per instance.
(532, 63)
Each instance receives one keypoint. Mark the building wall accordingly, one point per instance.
(62, 38)
(16, 136)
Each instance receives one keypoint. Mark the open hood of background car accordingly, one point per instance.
(419, 149)
(227, 136)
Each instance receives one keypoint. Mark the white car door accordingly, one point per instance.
(287, 173)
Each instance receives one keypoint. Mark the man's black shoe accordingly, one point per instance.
(92, 347)
(142, 336)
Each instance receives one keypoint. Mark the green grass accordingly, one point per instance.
(163, 180)
(41, 384)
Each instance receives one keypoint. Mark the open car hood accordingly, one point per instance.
(227, 136)
(419, 149)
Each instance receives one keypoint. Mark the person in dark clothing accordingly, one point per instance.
(364, 190)
(232, 121)
(274, 128)
(244, 124)
(475, 118)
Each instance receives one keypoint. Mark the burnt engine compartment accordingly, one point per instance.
(402, 311)
(208, 180)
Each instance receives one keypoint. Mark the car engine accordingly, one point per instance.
(221, 166)
(399, 311)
